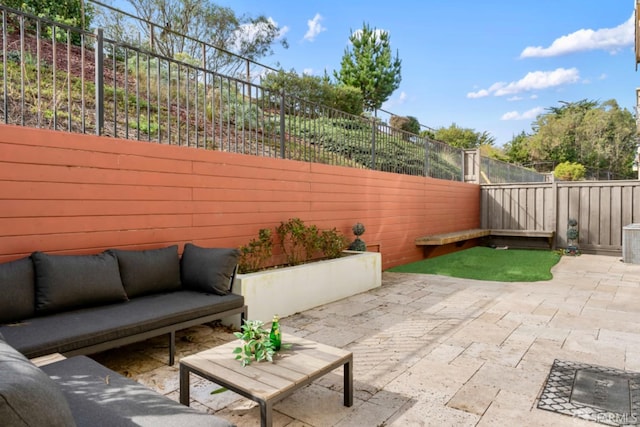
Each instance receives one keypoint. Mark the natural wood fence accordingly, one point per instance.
(602, 209)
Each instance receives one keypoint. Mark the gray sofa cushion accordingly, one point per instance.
(71, 330)
(99, 396)
(17, 290)
(149, 271)
(68, 281)
(208, 269)
(28, 397)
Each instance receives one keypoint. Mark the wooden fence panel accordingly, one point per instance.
(615, 239)
(601, 208)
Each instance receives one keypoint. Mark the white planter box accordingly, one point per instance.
(289, 290)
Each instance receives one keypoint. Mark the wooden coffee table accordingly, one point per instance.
(264, 382)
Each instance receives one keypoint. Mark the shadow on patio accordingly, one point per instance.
(434, 350)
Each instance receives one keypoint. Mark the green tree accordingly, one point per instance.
(517, 150)
(370, 66)
(463, 137)
(600, 136)
(408, 124)
(75, 13)
(346, 98)
(248, 37)
(493, 153)
(413, 125)
(569, 171)
(314, 89)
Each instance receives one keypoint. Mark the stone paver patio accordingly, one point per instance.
(434, 350)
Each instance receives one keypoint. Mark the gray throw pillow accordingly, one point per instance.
(28, 397)
(71, 281)
(208, 270)
(149, 271)
(17, 289)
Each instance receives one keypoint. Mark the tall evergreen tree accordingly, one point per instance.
(370, 66)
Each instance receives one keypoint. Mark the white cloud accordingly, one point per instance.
(511, 115)
(248, 32)
(527, 115)
(535, 80)
(607, 39)
(533, 113)
(479, 94)
(315, 27)
(515, 98)
(393, 102)
(307, 71)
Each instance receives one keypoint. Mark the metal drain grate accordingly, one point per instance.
(595, 393)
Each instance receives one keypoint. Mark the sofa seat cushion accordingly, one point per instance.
(16, 288)
(72, 330)
(99, 396)
(65, 282)
(28, 397)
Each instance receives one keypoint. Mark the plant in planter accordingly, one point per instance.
(299, 241)
(302, 243)
(313, 269)
(255, 254)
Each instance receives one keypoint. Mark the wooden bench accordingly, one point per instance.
(463, 235)
(440, 244)
(549, 235)
(452, 237)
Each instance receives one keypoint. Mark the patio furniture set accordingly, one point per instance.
(55, 309)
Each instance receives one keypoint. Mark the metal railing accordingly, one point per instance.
(162, 40)
(498, 172)
(63, 78)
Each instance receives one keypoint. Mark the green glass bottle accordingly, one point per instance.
(275, 336)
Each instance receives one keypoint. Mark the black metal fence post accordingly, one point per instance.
(427, 147)
(373, 143)
(99, 79)
(282, 127)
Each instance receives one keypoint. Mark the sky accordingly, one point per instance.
(491, 65)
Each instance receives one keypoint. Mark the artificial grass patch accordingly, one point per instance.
(482, 263)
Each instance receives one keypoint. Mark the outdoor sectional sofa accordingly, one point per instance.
(83, 304)
(80, 392)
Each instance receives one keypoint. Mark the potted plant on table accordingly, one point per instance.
(259, 344)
